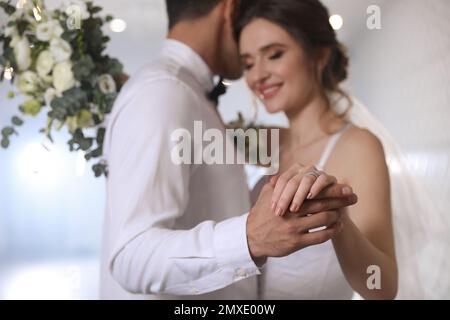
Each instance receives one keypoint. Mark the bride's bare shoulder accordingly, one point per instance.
(357, 137)
(358, 156)
(361, 145)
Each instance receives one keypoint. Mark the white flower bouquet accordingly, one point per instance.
(56, 60)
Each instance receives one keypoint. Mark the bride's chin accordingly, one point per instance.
(273, 109)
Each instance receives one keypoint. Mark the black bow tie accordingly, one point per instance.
(217, 91)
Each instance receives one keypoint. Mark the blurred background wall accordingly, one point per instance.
(51, 207)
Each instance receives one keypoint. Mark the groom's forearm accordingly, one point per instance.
(184, 262)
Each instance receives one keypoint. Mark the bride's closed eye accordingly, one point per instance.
(247, 66)
(276, 55)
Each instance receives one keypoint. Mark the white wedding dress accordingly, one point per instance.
(311, 273)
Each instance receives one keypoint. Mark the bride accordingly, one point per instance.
(294, 64)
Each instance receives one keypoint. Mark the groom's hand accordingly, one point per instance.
(269, 235)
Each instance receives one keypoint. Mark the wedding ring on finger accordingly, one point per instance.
(314, 173)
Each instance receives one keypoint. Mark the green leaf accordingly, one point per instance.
(101, 135)
(79, 139)
(71, 143)
(83, 67)
(105, 39)
(104, 102)
(93, 38)
(49, 137)
(100, 169)
(9, 9)
(22, 26)
(85, 144)
(78, 134)
(70, 35)
(17, 121)
(69, 104)
(31, 107)
(7, 131)
(114, 67)
(95, 10)
(94, 154)
(5, 143)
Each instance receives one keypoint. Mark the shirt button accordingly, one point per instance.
(240, 273)
(195, 291)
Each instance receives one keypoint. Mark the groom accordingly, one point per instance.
(179, 230)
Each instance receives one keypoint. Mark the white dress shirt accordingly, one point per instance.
(171, 231)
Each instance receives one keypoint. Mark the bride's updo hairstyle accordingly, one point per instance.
(307, 21)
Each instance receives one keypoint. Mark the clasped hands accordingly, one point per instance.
(290, 206)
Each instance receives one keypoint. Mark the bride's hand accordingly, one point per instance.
(301, 183)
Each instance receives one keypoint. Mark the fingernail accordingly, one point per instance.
(309, 197)
(273, 206)
(294, 208)
(279, 212)
(347, 191)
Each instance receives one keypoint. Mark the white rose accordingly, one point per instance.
(57, 30)
(15, 39)
(107, 84)
(81, 8)
(27, 82)
(48, 79)
(49, 95)
(22, 53)
(63, 78)
(48, 30)
(60, 49)
(44, 63)
(10, 31)
(44, 31)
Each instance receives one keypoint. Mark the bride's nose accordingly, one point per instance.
(259, 73)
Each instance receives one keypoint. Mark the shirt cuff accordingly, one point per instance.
(231, 247)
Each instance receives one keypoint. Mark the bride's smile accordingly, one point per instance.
(269, 91)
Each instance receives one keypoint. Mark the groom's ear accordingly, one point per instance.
(231, 8)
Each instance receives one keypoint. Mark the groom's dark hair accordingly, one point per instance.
(179, 10)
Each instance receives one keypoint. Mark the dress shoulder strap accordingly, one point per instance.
(330, 147)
